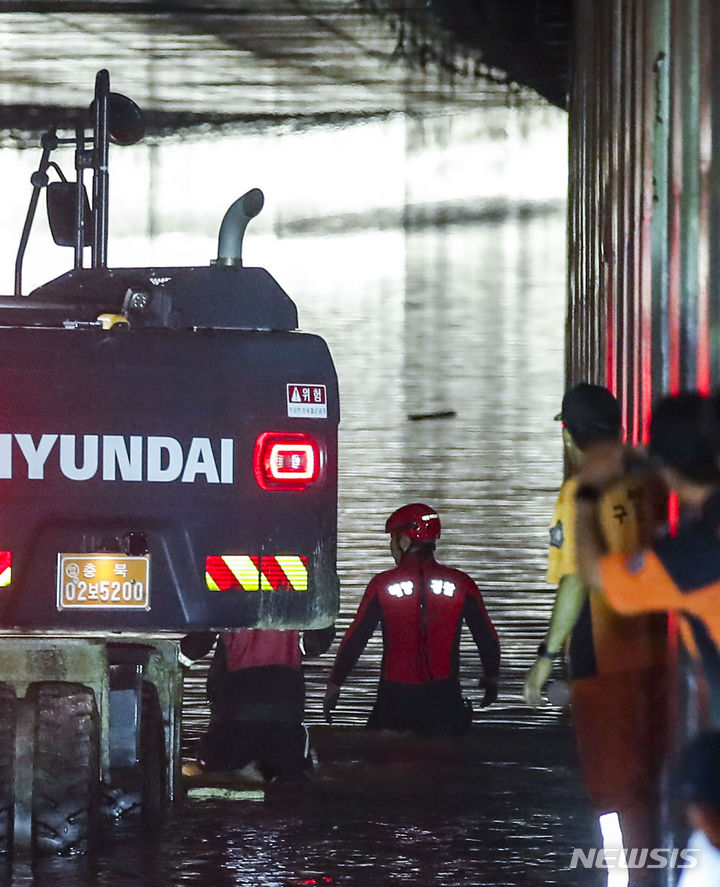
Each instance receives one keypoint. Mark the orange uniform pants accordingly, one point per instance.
(621, 728)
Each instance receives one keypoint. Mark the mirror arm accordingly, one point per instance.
(39, 179)
(61, 174)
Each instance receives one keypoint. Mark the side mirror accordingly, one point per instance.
(62, 213)
(125, 119)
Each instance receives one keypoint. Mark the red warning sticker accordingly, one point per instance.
(306, 401)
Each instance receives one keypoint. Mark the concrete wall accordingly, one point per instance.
(643, 309)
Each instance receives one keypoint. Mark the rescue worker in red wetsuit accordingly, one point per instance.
(420, 605)
(256, 690)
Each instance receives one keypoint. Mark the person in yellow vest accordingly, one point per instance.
(617, 665)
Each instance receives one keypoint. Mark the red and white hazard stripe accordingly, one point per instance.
(252, 573)
(5, 568)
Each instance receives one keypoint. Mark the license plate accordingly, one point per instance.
(103, 580)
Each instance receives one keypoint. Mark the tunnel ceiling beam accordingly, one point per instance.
(302, 60)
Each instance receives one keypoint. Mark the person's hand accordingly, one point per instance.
(490, 686)
(536, 679)
(332, 694)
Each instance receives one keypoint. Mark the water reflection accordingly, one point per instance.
(474, 325)
(493, 810)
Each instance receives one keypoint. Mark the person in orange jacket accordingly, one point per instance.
(680, 571)
(617, 665)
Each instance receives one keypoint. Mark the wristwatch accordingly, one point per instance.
(544, 653)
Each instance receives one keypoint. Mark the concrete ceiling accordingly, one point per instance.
(189, 62)
(210, 61)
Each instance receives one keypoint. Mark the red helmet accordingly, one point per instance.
(417, 521)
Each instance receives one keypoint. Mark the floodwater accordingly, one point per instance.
(465, 318)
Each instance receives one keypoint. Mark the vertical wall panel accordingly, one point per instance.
(712, 17)
(705, 94)
(675, 185)
(688, 37)
(646, 58)
(645, 294)
(659, 47)
(642, 219)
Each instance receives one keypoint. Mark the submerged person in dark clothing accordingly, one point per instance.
(420, 605)
(257, 699)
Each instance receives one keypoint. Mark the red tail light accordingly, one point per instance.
(285, 460)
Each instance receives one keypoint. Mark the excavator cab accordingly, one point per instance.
(168, 463)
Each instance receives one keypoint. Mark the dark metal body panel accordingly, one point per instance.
(214, 296)
(182, 384)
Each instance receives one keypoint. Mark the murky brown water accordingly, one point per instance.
(467, 318)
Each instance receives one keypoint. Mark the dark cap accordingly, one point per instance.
(590, 413)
